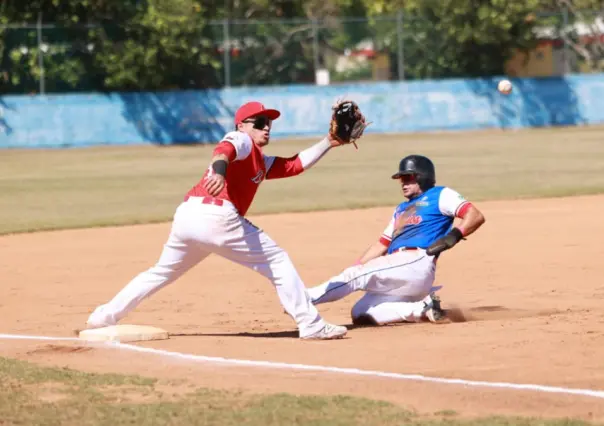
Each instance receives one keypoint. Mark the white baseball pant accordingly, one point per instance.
(396, 286)
(199, 229)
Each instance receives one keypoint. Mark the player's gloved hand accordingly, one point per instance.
(445, 243)
(214, 184)
(347, 123)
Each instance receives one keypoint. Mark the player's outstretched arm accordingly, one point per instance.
(281, 167)
(311, 155)
(347, 124)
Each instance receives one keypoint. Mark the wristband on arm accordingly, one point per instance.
(220, 167)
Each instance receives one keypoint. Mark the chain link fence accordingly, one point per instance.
(46, 58)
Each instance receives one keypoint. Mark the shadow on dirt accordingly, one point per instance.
(265, 334)
(495, 312)
(291, 334)
(64, 349)
(455, 314)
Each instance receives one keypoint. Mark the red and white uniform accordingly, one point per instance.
(203, 225)
(248, 167)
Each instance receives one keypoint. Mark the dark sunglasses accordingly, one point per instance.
(260, 122)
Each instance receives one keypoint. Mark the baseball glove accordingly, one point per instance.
(347, 122)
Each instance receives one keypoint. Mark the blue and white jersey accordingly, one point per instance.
(424, 219)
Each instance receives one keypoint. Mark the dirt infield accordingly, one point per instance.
(529, 280)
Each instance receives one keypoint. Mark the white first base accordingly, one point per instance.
(124, 333)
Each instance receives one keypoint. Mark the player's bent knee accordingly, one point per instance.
(364, 320)
(362, 306)
(361, 317)
(357, 311)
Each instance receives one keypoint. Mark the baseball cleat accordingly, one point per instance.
(434, 312)
(329, 332)
(90, 326)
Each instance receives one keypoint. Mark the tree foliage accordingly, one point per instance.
(178, 44)
(580, 28)
(163, 46)
(107, 45)
(274, 38)
(460, 38)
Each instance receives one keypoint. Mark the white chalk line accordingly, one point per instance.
(319, 368)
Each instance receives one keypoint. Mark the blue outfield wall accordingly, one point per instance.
(204, 116)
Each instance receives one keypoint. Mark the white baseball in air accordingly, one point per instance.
(505, 87)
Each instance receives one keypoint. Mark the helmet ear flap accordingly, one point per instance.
(425, 182)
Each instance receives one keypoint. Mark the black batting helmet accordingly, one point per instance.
(420, 166)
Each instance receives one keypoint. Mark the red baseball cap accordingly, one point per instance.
(252, 109)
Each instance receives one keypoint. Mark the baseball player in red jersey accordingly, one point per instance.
(211, 220)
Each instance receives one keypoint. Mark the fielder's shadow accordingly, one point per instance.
(456, 315)
(291, 334)
(265, 334)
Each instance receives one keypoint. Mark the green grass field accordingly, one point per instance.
(53, 189)
(50, 189)
(33, 395)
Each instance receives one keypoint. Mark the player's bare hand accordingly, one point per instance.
(214, 185)
(333, 141)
